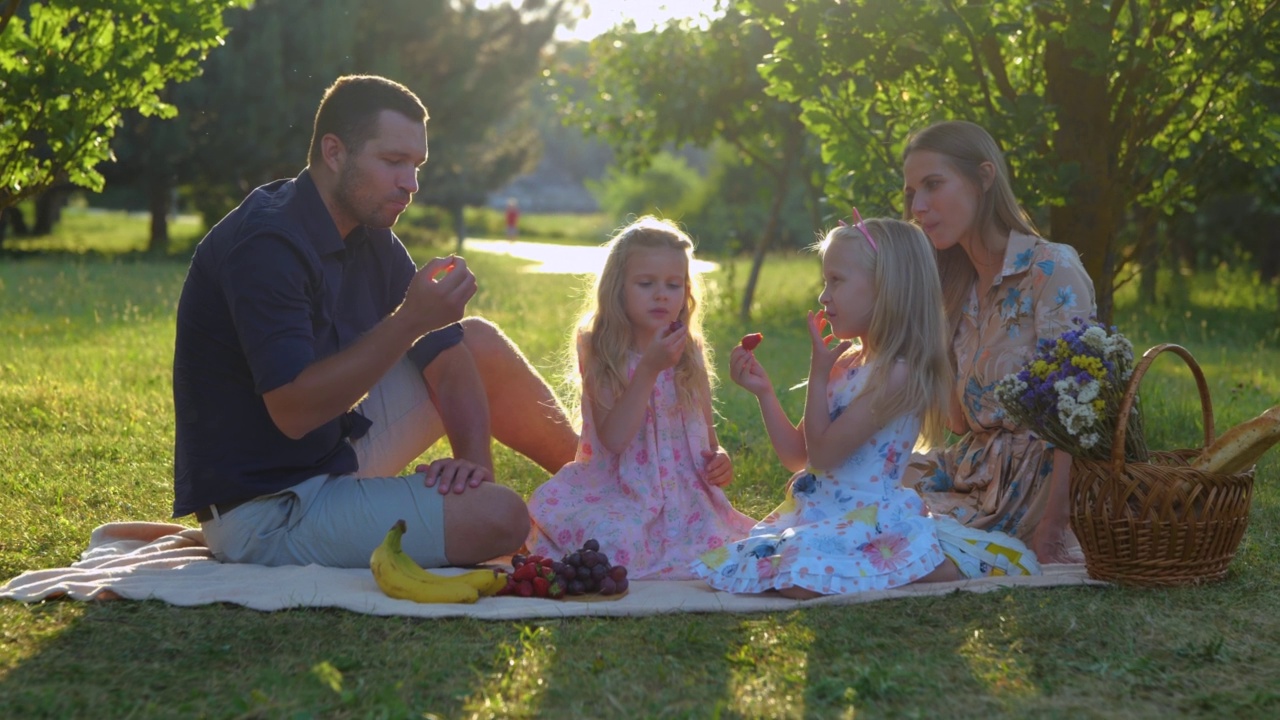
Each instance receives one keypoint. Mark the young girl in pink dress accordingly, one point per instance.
(847, 524)
(646, 481)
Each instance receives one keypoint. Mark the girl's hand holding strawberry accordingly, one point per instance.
(666, 349)
(746, 371)
(824, 354)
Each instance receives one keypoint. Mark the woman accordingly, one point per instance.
(1005, 290)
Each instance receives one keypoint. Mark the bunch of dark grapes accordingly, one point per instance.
(588, 570)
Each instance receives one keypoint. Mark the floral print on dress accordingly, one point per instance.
(649, 506)
(996, 476)
(851, 529)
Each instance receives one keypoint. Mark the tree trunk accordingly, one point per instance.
(1268, 259)
(762, 245)
(12, 217)
(1149, 259)
(456, 211)
(49, 209)
(1088, 219)
(1151, 241)
(159, 201)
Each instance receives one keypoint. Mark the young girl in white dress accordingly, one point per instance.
(847, 524)
(646, 481)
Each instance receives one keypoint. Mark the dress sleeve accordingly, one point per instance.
(1065, 292)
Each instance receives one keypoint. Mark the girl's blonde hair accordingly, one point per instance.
(907, 322)
(966, 147)
(605, 332)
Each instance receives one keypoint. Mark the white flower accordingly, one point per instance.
(1095, 338)
(1089, 392)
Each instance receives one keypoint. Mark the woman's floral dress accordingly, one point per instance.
(650, 506)
(997, 476)
(851, 529)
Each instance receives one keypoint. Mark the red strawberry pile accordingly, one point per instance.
(533, 576)
(584, 571)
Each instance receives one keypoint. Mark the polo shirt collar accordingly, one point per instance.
(316, 221)
(1018, 254)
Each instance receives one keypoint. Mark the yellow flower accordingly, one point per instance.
(1062, 351)
(1041, 369)
(1099, 405)
(1091, 365)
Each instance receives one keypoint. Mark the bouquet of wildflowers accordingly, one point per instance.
(1070, 393)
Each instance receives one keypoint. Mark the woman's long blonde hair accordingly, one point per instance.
(907, 322)
(966, 147)
(604, 331)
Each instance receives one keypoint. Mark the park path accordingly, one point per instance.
(553, 258)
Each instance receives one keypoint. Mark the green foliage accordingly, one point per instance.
(1095, 103)
(471, 66)
(69, 70)
(684, 84)
(736, 202)
(667, 188)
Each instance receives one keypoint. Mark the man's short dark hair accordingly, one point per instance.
(350, 109)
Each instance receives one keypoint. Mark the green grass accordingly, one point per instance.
(84, 231)
(86, 437)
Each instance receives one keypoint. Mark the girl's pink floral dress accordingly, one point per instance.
(649, 506)
(851, 529)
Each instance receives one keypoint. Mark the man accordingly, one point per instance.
(313, 361)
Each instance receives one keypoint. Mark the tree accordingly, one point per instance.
(1092, 100)
(474, 69)
(684, 84)
(249, 115)
(71, 69)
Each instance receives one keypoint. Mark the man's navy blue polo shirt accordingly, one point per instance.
(272, 289)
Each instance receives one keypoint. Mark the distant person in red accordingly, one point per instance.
(513, 218)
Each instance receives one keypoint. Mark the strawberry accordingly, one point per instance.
(525, 572)
(674, 326)
(540, 586)
(448, 268)
(555, 591)
(545, 562)
(751, 340)
(524, 588)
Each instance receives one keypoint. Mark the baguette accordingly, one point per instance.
(1240, 447)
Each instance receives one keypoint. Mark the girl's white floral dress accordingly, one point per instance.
(856, 528)
(841, 531)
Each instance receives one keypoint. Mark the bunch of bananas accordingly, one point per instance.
(399, 576)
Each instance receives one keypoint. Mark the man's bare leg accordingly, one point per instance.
(482, 523)
(524, 413)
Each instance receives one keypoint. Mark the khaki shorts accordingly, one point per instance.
(337, 520)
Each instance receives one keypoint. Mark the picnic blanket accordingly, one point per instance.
(171, 563)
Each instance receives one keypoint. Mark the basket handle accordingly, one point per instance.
(1131, 394)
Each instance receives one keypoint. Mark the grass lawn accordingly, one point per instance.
(86, 433)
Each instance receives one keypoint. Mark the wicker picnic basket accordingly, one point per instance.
(1160, 522)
